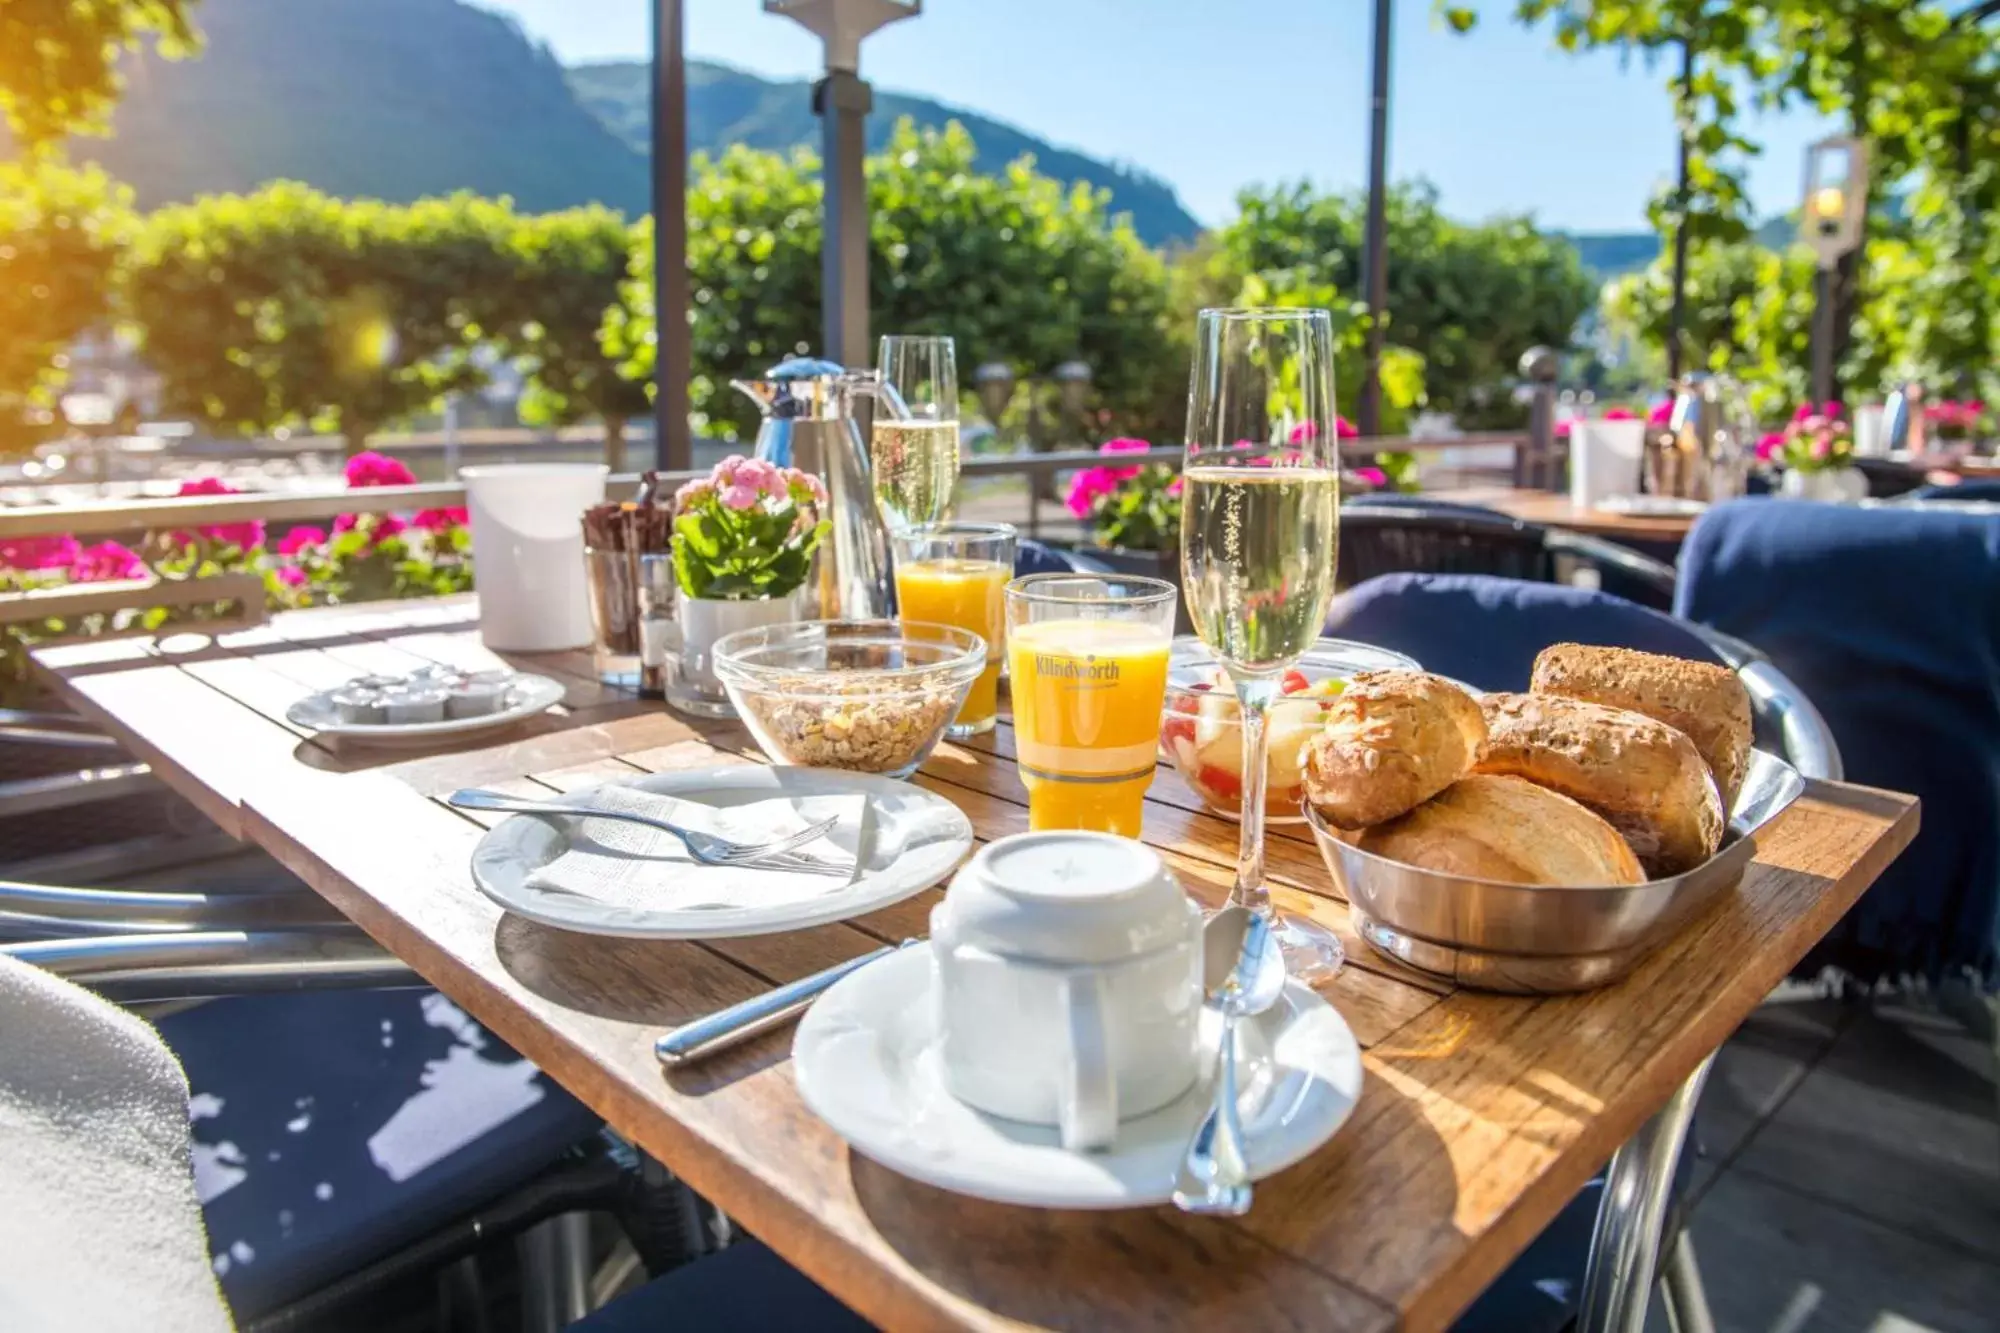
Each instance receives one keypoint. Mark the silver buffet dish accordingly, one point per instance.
(1538, 939)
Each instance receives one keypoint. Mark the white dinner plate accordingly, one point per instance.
(1664, 506)
(910, 839)
(866, 1058)
(531, 695)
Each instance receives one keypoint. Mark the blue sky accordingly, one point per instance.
(1213, 96)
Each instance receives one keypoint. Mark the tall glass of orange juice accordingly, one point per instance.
(1087, 662)
(956, 574)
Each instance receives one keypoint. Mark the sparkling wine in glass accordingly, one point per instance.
(1260, 515)
(913, 443)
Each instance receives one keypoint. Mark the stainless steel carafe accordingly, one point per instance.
(809, 424)
(1704, 451)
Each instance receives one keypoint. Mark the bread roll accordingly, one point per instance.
(1706, 701)
(1641, 775)
(1506, 829)
(1391, 740)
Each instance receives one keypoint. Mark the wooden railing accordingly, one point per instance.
(99, 519)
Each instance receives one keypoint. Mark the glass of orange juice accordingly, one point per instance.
(1087, 662)
(956, 574)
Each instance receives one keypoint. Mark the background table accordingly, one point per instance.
(1553, 509)
(1480, 1117)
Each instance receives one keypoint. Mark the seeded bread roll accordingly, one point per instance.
(1391, 740)
(1706, 701)
(1506, 829)
(1643, 776)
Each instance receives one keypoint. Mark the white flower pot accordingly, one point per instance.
(703, 620)
(1846, 485)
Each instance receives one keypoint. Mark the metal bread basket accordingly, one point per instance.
(1538, 939)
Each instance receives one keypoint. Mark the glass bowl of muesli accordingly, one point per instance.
(873, 696)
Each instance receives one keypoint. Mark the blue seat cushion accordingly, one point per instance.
(1977, 488)
(1033, 557)
(334, 1128)
(1486, 631)
(743, 1289)
(1889, 620)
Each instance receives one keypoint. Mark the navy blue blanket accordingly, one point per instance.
(1889, 621)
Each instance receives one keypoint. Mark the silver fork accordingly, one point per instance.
(706, 848)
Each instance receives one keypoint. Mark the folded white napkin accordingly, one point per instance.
(629, 865)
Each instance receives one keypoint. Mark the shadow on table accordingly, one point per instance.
(1159, 1267)
(658, 984)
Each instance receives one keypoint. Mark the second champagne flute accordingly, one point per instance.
(1260, 511)
(913, 444)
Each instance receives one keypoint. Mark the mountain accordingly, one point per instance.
(728, 106)
(1615, 254)
(393, 99)
(397, 99)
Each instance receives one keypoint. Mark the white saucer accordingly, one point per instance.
(531, 695)
(867, 1063)
(911, 839)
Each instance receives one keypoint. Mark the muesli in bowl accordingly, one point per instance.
(873, 696)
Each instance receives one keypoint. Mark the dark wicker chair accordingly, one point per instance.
(1412, 535)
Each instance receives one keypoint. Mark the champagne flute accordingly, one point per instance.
(1260, 510)
(913, 443)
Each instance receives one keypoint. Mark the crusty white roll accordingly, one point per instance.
(1509, 830)
(1391, 740)
(1642, 775)
(1702, 699)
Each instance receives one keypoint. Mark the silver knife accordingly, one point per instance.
(757, 1015)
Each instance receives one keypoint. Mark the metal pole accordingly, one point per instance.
(1822, 337)
(842, 101)
(672, 367)
(1683, 206)
(1374, 246)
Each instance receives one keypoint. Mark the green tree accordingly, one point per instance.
(569, 270)
(1465, 300)
(58, 59)
(1922, 88)
(1016, 267)
(62, 232)
(287, 308)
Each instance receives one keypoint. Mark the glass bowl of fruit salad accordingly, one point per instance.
(1201, 730)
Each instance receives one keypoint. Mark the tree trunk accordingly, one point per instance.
(614, 444)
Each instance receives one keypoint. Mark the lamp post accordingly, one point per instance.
(842, 100)
(1831, 222)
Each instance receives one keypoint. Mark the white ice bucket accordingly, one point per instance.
(1604, 460)
(527, 552)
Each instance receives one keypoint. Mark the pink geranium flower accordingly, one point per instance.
(1563, 429)
(291, 576)
(1620, 414)
(1174, 487)
(1662, 413)
(440, 520)
(1374, 476)
(298, 539)
(372, 469)
(381, 526)
(245, 535)
(1770, 445)
(1088, 486)
(39, 552)
(105, 562)
(742, 494)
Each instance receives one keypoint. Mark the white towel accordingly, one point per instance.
(99, 1227)
(629, 865)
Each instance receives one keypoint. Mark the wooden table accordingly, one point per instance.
(1556, 510)
(1481, 1115)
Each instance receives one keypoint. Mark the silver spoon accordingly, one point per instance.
(706, 848)
(1244, 973)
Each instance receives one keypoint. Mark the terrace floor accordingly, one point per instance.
(1849, 1178)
